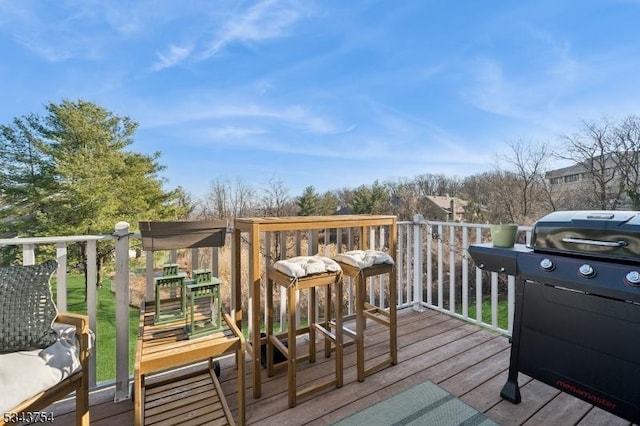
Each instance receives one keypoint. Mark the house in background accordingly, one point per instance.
(568, 177)
(445, 208)
(610, 169)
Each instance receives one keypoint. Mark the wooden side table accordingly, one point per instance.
(165, 346)
(253, 227)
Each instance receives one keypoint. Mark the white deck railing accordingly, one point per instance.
(433, 270)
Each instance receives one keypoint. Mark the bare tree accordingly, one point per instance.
(594, 151)
(430, 184)
(276, 200)
(527, 163)
(403, 198)
(225, 200)
(627, 158)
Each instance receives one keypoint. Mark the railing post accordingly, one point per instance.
(417, 263)
(149, 275)
(122, 311)
(92, 302)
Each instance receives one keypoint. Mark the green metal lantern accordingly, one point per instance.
(203, 298)
(170, 298)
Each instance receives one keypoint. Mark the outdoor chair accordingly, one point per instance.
(43, 354)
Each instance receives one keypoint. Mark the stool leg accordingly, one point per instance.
(339, 347)
(327, 314)
(292, 295)
(269, 326)
(312, 319)
(393, 318)
(360, 325)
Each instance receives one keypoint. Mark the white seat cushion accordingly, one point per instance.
(301, 266)
(364, 258)
(25, 374)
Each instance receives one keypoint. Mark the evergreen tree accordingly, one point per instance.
(70, 173)
(308, 202)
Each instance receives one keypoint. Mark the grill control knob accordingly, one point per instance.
(547, 265)
(633, 278)
(587, 271)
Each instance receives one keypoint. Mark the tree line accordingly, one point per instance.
(605, 156)
(71, 171)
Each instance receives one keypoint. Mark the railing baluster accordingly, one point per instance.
(411, 262)
(478, 281)
(29, 254)
(195, 259)
(511, 299)
(465, 272)
(399, 262)
(381, 278)
(440, 268)
(429, 264)
(417, 266)
(150, 290)
(61, 276)
(494, 300)
(452, 268)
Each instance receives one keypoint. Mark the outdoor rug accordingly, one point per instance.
(424, 404)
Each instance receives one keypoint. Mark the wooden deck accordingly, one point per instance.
(469, 362)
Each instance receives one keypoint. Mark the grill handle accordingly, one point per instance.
(595, 242)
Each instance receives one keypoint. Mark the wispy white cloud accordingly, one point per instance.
(174, 55)
(233, 132)
(298, 117)
(528, 87)
(491, 90)
(67, 29)
(265, 20)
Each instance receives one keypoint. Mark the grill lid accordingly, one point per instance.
(601, 233)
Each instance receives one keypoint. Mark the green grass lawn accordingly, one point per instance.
(105, 322)
(503, 321)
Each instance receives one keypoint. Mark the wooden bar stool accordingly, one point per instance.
(360, 265)
(300, 273)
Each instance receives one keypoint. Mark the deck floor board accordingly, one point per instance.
(464, 359)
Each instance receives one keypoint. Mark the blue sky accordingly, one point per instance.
(326, 93)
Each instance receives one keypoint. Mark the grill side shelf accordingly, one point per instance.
(497, 259)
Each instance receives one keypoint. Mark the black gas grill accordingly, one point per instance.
(577, 310)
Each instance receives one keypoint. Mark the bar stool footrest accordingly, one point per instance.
(378, 317)
(326, 332)
(284, 351)
(378, 366)
(315, 388)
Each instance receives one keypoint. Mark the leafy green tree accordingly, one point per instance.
(70, 173)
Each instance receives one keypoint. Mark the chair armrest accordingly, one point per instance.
(81, 322)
